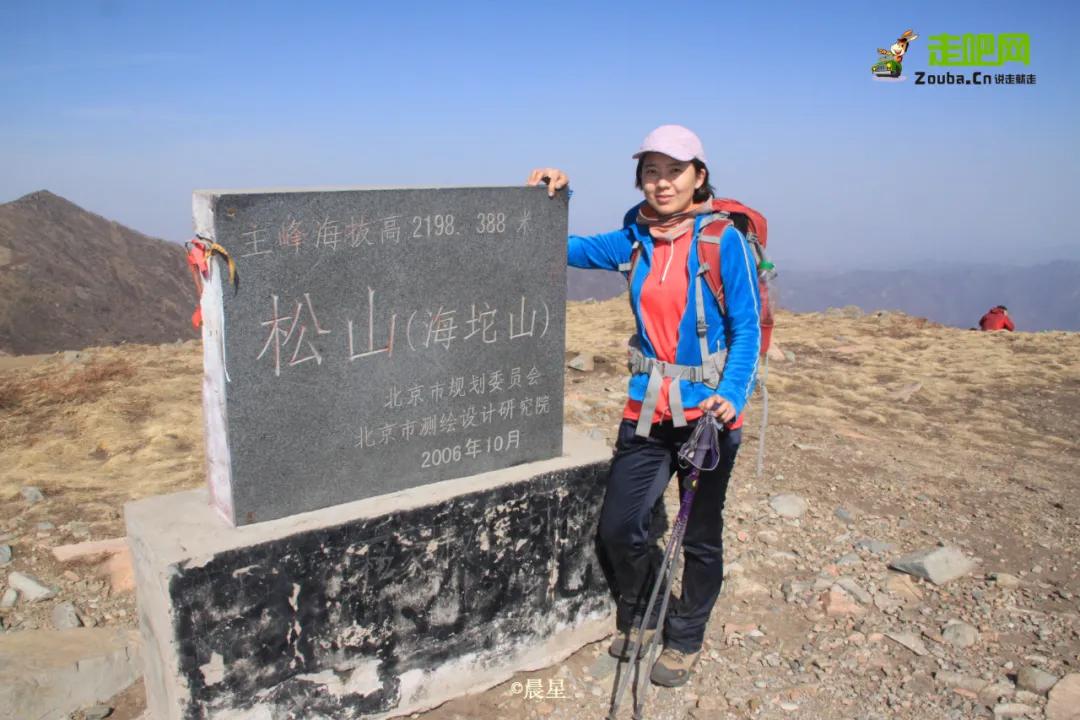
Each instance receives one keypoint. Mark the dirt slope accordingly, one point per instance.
(899, 434)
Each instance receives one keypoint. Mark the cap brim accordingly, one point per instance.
(638, 155)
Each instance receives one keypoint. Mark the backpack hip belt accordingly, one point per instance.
(709, 373)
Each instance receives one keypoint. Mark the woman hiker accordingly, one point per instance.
(660, 411)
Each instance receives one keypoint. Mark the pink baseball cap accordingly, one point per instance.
(674, 141)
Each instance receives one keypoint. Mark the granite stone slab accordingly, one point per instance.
(379, 340)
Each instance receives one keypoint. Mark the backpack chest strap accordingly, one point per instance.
(709, 373)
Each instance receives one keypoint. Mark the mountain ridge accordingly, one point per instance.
(70, 278)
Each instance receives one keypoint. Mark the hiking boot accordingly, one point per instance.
(620, 646)
(673, 667)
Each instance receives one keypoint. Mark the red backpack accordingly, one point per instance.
(755, 229)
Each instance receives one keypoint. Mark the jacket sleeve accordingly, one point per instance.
(742, 319)
(1009, 324)
(599, 252)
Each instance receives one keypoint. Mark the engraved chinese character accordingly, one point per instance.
(457, 387)
(506, 409)
(415, 396)
(482, 323)
(478, 384)
(542, 407)
(448, 423)
(393, 399)
(386, 433)
(523, 223)
(515, 378)
(534, 376)
(441, 329)
(365, 438)
(468, 417)
(280, 338)
(356, 233)
(437, 391)
(495, 381)
(472, 447)
(290, 235)
(486, 413)
(390, 230)
(429, 425)
(328, 234)
(526, 407)
(408, 429)
(371, 349)
(513, 439)
(522, 332)
(254, 238)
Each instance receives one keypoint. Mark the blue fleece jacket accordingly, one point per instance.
(738, 330)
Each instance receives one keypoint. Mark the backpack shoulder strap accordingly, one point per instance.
(630, 266)
(746, 220)
(708, 248)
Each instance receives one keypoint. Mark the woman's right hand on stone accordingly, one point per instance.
(556, 179)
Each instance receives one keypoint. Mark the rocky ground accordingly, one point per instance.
(888, 436)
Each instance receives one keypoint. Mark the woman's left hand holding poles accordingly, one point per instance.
(718, 406)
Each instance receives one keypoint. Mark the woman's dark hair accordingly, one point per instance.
(701, 194)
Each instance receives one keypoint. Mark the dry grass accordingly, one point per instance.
(849, 373)
(81, 385)
(123, 425)
(128, 423)
(11, 395)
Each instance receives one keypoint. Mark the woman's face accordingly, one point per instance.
(669, 184)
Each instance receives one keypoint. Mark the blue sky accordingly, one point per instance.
(127, 107)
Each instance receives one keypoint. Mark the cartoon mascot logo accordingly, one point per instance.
(890, 66)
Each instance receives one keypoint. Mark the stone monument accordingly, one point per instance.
(380, 340)
(405, 519)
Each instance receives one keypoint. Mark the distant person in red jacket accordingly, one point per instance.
(997, 319)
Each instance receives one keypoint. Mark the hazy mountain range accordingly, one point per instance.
(1041, 297)
(71, 279)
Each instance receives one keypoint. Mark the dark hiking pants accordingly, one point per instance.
(640, 471)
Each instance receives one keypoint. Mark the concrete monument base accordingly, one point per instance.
(375, 608)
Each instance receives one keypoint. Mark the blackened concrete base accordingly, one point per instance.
(375, 608)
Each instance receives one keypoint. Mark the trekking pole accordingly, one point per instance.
(764, 416)
(700, 452)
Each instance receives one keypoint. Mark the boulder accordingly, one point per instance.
(788, 505)
(939, 565)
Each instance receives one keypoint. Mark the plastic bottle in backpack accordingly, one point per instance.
(766, 275)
